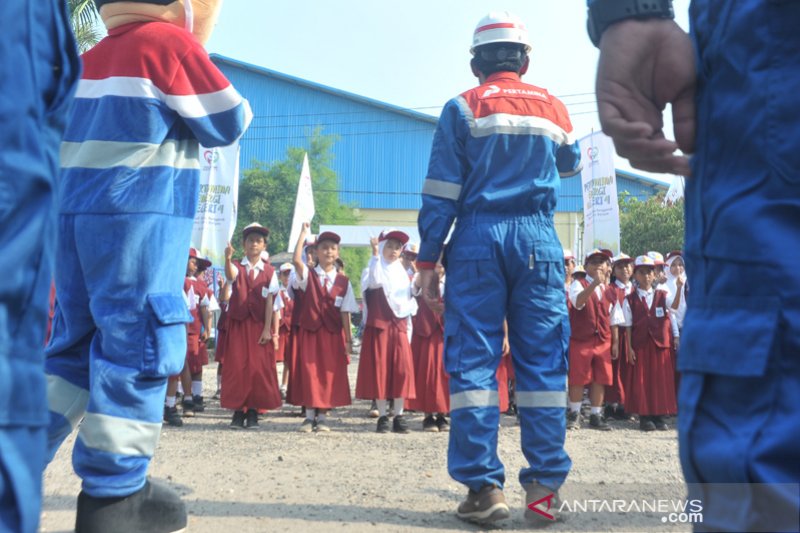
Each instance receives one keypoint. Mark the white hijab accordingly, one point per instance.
(392, 278)
(672, 288)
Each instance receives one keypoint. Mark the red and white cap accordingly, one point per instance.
(622, 258)
(411, 248)
(255, 227)
(286, 267)
(579, 271)
(568, 254)
(657, 258)
(644, 260)
(202, 262)
(392, 233)
(500, 27)
(328, 236)
(608, 254)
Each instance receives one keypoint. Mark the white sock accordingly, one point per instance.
(575, 407)
(310, 413)
(596, 410)
(381, 407)
(180, 387)
(219, 381)
(170, 402)
(398, 406)
(320, 417)
(197, 388)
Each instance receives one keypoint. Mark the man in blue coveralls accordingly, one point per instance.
(498, 154)
(733, 88)
(39, 69)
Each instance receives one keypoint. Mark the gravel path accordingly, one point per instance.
(353, 479)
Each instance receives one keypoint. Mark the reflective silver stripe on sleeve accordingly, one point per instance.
(572, 173)
(504, 123)
(66, 399)
(109, 154)
(535, 399)
(121, 436)
(441, 189)
(469, 116)
(474, 398)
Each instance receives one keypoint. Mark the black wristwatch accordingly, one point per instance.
(604, 13)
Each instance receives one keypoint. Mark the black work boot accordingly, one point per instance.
(199, 405)
(252, 419)
(155, 508)
(172, 417)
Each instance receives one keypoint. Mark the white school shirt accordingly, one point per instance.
(274, 284)
(677, 315)
(347, 303)
(617, 318)
(576, 288)
(193, 300)
(648, 296)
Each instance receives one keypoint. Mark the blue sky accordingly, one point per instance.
(412, 53)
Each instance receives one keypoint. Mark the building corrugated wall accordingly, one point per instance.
(381, 155)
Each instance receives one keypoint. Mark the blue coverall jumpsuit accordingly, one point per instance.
(496, 161)
(740, 347)
(39, 69)
(130, 171)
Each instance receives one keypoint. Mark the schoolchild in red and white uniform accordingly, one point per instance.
(250, 382)
(677, 287)
(285, 323)
(590, 342)
(618, 289)
(386, 368)
(430, 377)
(319, 372)
(651, 389)
(196, 292)
(309, 256)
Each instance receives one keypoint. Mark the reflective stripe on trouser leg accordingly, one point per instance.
(539, 337)
(473, 344)
(67, 405)
(139, 342)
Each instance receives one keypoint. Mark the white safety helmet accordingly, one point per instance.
(500, 27)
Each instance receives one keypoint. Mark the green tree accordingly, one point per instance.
(267, 195)
(650, 225)
(85, 22)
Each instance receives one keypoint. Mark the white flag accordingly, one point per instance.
(675, 191)
(215, 219)
(303, 205)
(600, 203)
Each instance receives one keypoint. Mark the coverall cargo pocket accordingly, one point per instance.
(548, 265)
(744, 330)
(467, 267)
(165, 340)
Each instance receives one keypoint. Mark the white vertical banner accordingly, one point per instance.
(600, 203)
(675, 191)
(303, 206)
(215, 219)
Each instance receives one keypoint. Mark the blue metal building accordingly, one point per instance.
(381, 154)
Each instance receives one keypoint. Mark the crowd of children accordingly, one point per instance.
(625, 316)
(285, 336)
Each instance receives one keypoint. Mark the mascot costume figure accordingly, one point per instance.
(149, 95)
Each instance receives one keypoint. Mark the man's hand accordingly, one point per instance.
(644, 65)
(429, 282)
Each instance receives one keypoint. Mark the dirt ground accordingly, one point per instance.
(353, 479)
